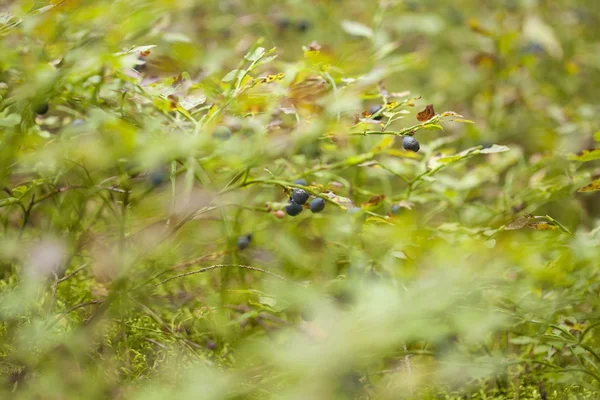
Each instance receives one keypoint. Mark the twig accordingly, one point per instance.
(76, 307)
(227, 266)
(55, 286)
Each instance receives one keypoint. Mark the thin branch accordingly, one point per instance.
(227, 266)
(70, 310)
(57, 281)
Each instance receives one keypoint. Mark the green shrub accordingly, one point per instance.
(156, 159)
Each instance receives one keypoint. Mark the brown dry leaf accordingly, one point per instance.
(426, 114)
(308, 90)
(519, 223)
(373, 201)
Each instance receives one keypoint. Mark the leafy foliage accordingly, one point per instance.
(158, 162)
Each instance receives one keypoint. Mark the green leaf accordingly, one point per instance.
(433, 126)
(494, 149)
(356, 29)
(524, 340)
(19, 191)
(11, 120)
(230, 75)
(585, 155)
(136, 49)
(597, 136)
(256, 54)
(9, 201)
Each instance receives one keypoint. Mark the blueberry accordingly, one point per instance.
(303, 25)
(244, 241)
(158, 177)
(222, 132)
(301, 181)
(410, 143)
(317, 205)
(300, 196)
(42, 109)
(141, 65)
(396, 209)
(373, 110)
(533, 48)
(293, 208)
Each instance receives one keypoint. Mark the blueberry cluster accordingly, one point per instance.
(299, 198)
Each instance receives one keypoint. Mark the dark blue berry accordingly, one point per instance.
(373, 110)
(222, 132)
(42, 109)
(158, 177)
(300, 196)
(244, 241)
(317, 205)
(301, 181)
(303, 25)
(533, 48)
(410, 143)
(396, 209)
(293, 208)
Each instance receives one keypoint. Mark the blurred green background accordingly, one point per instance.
(466, 270)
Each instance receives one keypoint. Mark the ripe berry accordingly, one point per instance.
(42, 109)
(293, 208)
(373, 110)
(301, 181)
(244, 241)
(317, 205)
(158, 177)
(396, 209)
(303, 25)
(410, 143)
(300, 196)
(222, 132)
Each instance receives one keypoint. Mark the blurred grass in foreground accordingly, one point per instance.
(140, 140)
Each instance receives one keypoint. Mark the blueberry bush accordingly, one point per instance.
(157, 158)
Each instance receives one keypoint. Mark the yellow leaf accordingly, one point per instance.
(543, 226)
(592, 187)
(585, 155)
(384, 143)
